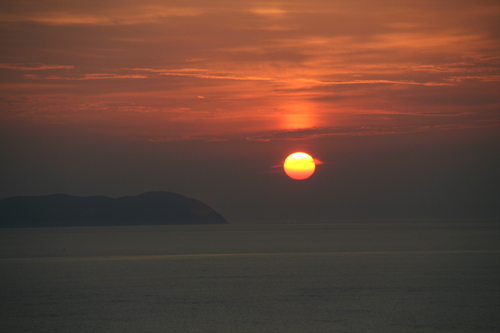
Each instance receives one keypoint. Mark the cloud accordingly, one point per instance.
(484, 78)
(261, 67)
(207, 74)
(202, 74)
(313, 133)
(33, 66)
(107, 13)
(99, 76)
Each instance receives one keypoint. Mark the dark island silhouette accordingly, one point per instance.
(60, 210)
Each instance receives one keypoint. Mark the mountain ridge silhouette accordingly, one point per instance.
(150, 208)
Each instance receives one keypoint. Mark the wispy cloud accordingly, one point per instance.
(33, 66)
(314, 133)
(98, 76)
(207, 74)
(484, 78)
(110, 13)
(202, 74)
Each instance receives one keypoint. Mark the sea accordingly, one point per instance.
(326, 276)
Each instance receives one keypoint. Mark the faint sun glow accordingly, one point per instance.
(298, 116)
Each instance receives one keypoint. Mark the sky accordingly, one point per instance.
(398, 102)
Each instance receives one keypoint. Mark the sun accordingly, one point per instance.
(299, 166)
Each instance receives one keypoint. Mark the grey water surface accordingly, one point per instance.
(412, 276)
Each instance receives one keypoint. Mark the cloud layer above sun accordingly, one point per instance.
(184, 70)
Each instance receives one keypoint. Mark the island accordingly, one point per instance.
(61, 210)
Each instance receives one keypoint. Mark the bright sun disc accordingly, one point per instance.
(299, 166)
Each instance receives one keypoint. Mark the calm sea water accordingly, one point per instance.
(332, 277)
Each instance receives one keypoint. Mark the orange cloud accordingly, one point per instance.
(33, 67)
(262, 71)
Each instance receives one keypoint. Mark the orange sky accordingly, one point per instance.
(211, 71)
